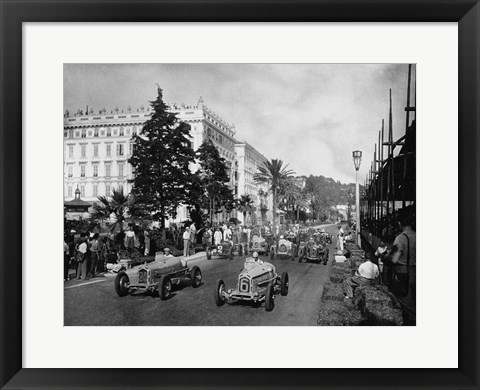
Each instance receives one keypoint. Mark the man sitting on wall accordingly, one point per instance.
(365, 276)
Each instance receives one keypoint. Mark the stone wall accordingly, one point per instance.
(371, 306)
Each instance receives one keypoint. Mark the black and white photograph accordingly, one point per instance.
(239, 194)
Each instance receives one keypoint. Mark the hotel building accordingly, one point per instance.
(97, 147)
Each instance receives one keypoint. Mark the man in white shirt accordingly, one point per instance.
(365, 276)
(218, 237)
(82, 259)
(186, 242)
(340, 238)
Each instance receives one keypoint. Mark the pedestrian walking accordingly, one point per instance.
(186, 242)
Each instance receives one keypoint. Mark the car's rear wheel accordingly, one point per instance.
(270, 297)
(121, 284)
(219, 290)
(165, 289)
(209, 254)
(284, 284)
(196, 276)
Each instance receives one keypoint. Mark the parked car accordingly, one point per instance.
(158, 277)
(258, 282)
(313, 251)
(283, 248)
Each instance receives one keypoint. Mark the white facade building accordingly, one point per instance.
(97, 148)
(248, 161)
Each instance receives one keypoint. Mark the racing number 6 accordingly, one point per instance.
(244, 285)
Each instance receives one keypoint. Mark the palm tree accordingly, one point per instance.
(122, 207)
(274, 173)
(301, 203)
(290, 193)
(245, 205)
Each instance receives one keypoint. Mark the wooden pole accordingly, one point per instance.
(390, 140)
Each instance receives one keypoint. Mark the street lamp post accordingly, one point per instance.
(357, 159)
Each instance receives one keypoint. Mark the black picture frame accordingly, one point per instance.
(14, 13)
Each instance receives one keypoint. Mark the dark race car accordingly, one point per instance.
(313, 251)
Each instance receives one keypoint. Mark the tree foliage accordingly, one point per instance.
(161, 159)
(213, 192)
(323, 193)
(123, 209)
(245, 205)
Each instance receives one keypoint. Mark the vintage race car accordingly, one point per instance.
(224, 250)
(258, 282)
(259, 244)
(284, 247)
(158, 277)
(313, 251)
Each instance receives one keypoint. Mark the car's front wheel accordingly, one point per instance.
(121, 284)
(270, 297)
(196, 276)
(284, 284)
(219, 290)
(165, 289)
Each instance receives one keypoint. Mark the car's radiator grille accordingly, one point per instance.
(142, 276)
(283, 248)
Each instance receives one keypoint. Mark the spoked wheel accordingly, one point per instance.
(270, 298)
(284, 284)
(165, 290)
(218, 293)
(121, 284)
(196, 277)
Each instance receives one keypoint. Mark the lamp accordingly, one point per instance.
(357, 159)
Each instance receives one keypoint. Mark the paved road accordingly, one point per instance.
(95, 302)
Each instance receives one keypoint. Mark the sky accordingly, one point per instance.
(311, 116)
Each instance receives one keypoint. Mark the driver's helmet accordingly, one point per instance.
(255, 255)
(281, 237)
